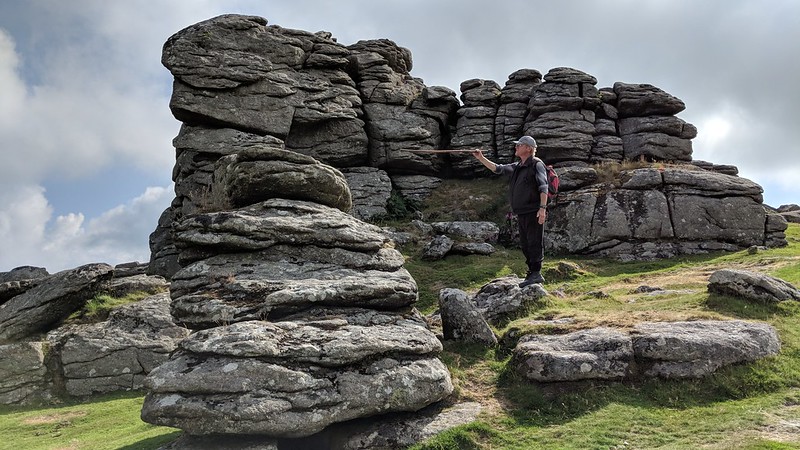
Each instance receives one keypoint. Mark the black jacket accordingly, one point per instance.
(528, 179)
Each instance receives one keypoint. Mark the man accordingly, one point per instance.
(528, 194)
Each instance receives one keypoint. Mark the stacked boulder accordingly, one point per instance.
(475, 127)
(401, 112)
(510, 120)
(561, 116)
(607, 145)
(303, 314)
(648, 126)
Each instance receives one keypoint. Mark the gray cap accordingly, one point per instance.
(526, 140)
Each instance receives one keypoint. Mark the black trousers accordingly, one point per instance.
(531, 240)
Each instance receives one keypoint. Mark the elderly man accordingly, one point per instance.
(528, 195)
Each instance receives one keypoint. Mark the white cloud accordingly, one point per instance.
(30, 236)
(13, 88)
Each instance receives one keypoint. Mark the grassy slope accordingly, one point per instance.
(754, 406)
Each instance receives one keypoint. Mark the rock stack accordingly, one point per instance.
(561, 115)
(302, 314)
(510, 120)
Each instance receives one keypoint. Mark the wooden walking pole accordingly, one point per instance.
(443, 150)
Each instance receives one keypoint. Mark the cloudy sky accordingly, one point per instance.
(85, 129)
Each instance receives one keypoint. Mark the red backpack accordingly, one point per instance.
(552, 180)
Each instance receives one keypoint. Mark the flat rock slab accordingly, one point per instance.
(751, 285)
(598, 353)
(697, 349)
(651, 349)
(239, 287)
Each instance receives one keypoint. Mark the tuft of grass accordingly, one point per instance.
(98, 308)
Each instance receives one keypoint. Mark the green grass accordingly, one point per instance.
(108, 422)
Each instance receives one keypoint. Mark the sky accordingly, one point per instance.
(86, 152)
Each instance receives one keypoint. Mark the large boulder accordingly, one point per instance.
(501, 299)
(462, 321)
(294, 377)
(262, 173)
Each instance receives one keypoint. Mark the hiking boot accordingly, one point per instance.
(532, 278)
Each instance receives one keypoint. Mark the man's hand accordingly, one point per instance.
(541, 215)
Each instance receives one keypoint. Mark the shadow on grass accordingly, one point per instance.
(153, 442)
(741, 308)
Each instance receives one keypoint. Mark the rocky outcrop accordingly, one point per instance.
(751, 285)
(651, 213)
(51, 301)
(651, 349)
(401, 113)
(240, 82)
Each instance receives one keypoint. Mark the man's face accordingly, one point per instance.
(523, 151)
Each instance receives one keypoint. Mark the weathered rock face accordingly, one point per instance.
(660, 213)
(696, 349)
(599, 353)
(23, 375)
(370, 189)
(293, 378)
(237, 72)
(651, 349)
(304, 313)
(116, 354)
